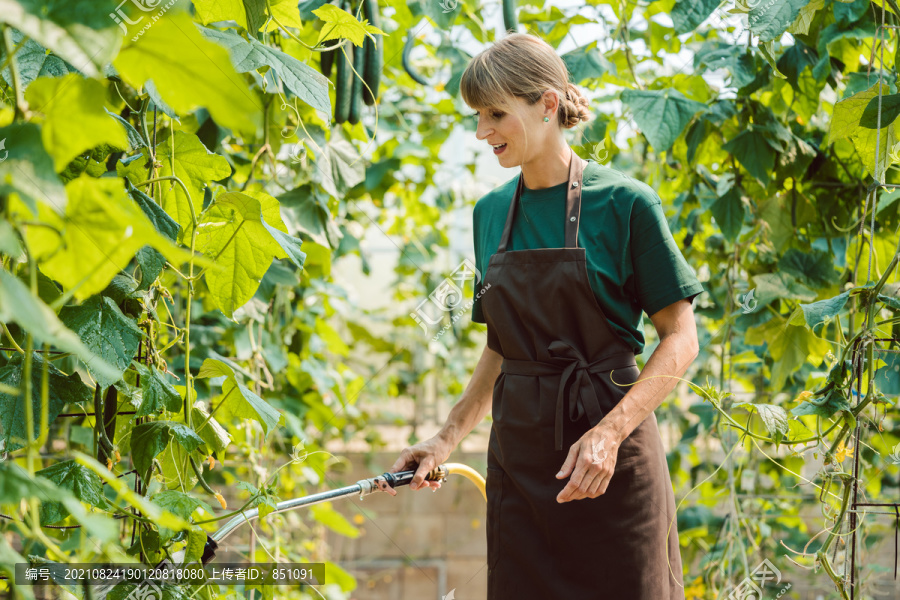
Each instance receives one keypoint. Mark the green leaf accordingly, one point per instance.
(215, 436)
(179, 503)
(729, 212)
(815, 268)
(661, 114)
(81, 481)
(890, 108)
(17, 485)
(770, 19)
(781, 285)
(156, 392)
(106, 332)
(34, 61)
(105, 227)
(825, 408)
(824, 310)
(774, 417)
(149, 439)
(239, 240)
(244, 404)
(80, 31)
(202, 75)
(28, 170)
(62, 389)
(150, 260)
(586, 62)
(135, 140)
(846, 123)
(686, 16)
(337, 23)
(18, 305)
(300, 79)
(74, 117)
(194, 165)
(754, 153)
(325, 514)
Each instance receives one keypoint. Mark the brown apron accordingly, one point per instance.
(558, 349)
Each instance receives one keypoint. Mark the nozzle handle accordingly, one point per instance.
(405, 477)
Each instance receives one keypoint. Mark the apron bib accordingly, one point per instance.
(558, 350)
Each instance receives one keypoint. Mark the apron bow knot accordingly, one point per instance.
(583, 397)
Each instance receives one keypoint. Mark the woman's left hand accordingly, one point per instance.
(593, 459)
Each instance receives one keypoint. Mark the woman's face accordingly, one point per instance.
(513, 127)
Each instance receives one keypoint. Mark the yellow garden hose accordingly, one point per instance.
(470, 474)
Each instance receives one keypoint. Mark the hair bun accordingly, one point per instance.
(575, 107)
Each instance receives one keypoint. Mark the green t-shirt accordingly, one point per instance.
(633, 263)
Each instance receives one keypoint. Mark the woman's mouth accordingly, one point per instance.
(499, 149)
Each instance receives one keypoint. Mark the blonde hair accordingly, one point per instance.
(526, 66)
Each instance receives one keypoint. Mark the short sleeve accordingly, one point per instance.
(662, 276)
(477, 315)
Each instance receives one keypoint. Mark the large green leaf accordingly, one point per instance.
(846, 123)
(156, 393)
(149, 439)
(661, 114)
(62, 389)
(729, 212)
(823, 407)
(754, 153)
(106, 332)
(586, 62)
(150, 260)
(102, 229)
(774, 417)
(781, 285)
(27, 169)
(18, 305)
(202, 75)
(237, 234)
(890, 108)
(74, 117)
(80, 31)
(78, 479)
(823, 310)
(771, 18)
(194, 165)
(687, 15)
(238, 401)
(300, 79)
(34, 61)
(17, 485)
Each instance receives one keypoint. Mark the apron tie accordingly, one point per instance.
(583, 398)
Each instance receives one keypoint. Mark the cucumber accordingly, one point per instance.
(357, 87)
(509, 15)
(343, 83)
(374, 54)
(407, 50)
(327, 59)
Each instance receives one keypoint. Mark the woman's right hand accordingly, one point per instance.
(424, 456)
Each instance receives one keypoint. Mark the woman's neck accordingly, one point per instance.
(548, 168)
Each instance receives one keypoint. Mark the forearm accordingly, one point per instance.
(671, 357)
(475, 402)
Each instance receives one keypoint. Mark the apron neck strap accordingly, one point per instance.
(573, 204)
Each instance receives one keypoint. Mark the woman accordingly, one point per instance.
(580, 503)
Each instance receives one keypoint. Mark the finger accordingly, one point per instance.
(570, 461)
(400, 463)
(566, 494)
(424, 467)
(596, 485)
